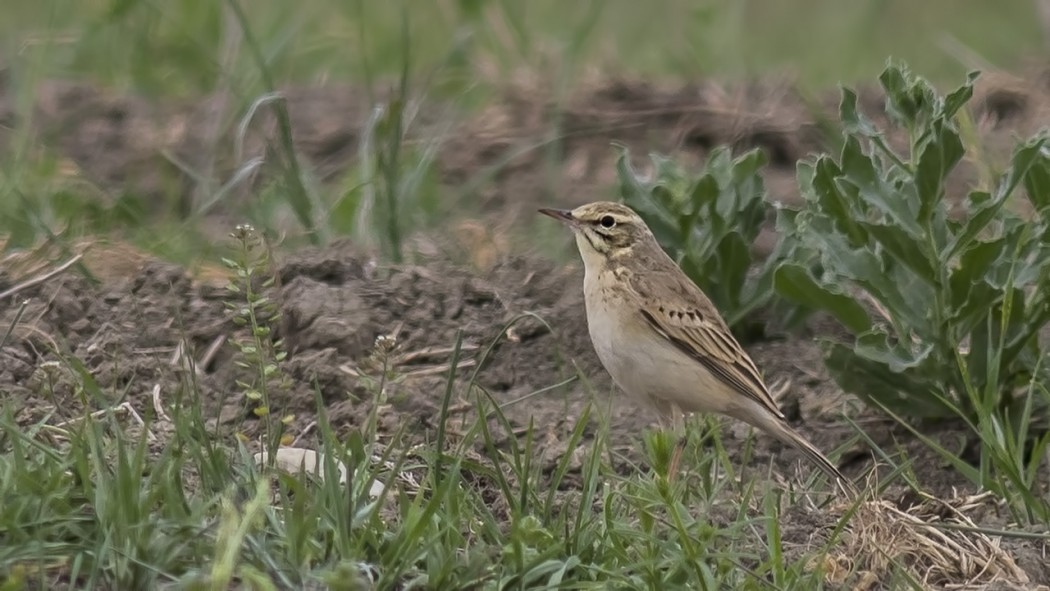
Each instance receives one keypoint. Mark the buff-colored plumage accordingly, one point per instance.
(659, 337)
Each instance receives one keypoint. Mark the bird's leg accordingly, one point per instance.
(678, 428)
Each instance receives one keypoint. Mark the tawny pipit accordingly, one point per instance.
(660, 337)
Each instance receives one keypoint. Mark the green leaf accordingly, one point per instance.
(894, 83)
(857, 263)
(876, 346)
(745, 187)
(854, 122)
(956, 99)
(832, 202)
(1033, 164)
(975, 302)
(795, 282)
(860, 170)
(1033, 263)
(805, 172)
(1018, 333)
(938, 157)
(1002, 272)
(982, 211)
(1024, 159)
(734, 261)
(975, 262)
(787, 223)
(904, 248)
(910, 100)
(719, 162)
(866, 269)
(702, 199)
(872, 381)
(747, 166)
(670, 185)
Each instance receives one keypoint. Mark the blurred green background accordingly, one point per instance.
(184, 47)
(459, 51)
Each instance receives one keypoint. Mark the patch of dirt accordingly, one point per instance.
(129, 333)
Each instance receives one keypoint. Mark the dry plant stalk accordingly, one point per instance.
(882, 537)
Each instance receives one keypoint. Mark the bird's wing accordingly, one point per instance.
(690, 321)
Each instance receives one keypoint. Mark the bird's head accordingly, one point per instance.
(604, 230)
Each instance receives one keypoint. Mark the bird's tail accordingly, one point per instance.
(782, 431)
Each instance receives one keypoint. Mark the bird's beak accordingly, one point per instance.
(562, 215)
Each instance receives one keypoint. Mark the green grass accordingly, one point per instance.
(100, 510)
(183, 48)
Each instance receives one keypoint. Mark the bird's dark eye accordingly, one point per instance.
(607, 221)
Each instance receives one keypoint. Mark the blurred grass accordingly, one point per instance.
(176, 48)
(458, 51)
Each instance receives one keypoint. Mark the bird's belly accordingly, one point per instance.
(651, 370)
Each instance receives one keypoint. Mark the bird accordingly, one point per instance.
(662, 339)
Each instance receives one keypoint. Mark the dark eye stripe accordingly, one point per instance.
(597, 243)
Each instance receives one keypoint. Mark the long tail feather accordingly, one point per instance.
(781, 430)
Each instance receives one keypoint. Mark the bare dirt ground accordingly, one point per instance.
(335, 301)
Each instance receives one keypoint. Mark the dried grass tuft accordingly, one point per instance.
(883, 539)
